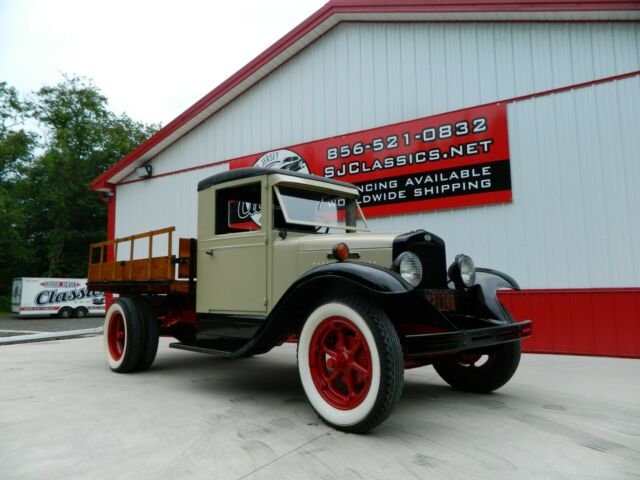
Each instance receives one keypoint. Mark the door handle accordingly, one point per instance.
(209, 252)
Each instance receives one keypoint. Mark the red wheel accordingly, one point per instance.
(116, 336)
(350, 364)
(340, 363)
(123, 339)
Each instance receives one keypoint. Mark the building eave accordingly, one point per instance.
(338, 11)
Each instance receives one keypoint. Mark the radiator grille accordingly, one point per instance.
(434, 264)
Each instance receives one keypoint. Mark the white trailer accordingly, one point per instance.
(63, 297)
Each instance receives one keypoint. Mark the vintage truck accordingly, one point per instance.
(282, 255)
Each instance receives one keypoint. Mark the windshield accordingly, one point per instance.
(321, 210)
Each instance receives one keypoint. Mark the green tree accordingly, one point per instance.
(16, 147)
(53, 214)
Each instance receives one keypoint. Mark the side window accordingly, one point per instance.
(238, 209)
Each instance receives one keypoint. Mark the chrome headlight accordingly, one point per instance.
(408, 265)
(463, 271)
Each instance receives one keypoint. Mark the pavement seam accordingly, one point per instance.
(22, 331)
(44, 337)
(247, 475)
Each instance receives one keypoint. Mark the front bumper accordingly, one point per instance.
(427, 344)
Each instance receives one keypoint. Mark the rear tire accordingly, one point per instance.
(65, 312)
(81, 312)
(350, 364)
(123, 339)
(150, 334)
(468, 374)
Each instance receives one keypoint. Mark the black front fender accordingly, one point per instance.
(317, 284)
(490, 281)
(371, 277)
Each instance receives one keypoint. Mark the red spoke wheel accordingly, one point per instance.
(116, 336)
(340, 363)
(480, 373)
(350, 364)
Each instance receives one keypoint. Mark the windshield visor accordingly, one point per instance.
(320, 209)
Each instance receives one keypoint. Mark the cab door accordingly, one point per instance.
(232, 263)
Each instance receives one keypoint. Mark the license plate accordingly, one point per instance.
(443, 300)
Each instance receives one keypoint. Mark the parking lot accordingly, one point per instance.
(64, 414)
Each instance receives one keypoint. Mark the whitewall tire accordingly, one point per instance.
(123, 336)
(350, 364)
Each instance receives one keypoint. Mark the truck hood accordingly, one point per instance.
(358, 240)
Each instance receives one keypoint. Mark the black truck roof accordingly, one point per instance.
(240, 173)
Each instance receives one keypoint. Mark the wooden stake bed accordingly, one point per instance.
(143, 275)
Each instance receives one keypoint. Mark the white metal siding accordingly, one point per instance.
(158, 203)
(571, 223)
(365, 75)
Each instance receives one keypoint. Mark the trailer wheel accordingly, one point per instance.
(350, 364)
(123, 336)
(150, 334)
(480, 373)
(81, 312)
(65, 312)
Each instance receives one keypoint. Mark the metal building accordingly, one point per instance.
(557, 82)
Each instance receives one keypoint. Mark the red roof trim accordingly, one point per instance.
(292, 37)
(343, 7)
(380, 6)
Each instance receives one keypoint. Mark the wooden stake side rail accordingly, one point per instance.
(150, 274)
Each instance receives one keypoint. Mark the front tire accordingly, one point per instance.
(350, 364)
(481, 373)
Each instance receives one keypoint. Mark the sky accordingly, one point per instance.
(151, 59)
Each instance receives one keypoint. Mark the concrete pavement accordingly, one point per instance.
(64, 414)
(12, 325)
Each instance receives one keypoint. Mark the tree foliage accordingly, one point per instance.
(52, 145)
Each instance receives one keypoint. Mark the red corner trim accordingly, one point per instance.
(111, 222)
(111, 234)
(345, 7)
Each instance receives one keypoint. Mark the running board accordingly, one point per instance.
(210, 351)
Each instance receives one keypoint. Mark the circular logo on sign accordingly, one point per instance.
(283, 160)
(278, 160)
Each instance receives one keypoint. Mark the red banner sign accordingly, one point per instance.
(453, 160)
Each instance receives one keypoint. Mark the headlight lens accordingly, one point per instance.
(409, 267)
(462, 271)
(467, 270)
